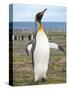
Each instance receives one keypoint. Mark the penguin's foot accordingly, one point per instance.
(36, 82)
(43, 79)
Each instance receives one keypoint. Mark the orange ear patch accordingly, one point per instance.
(36, 18)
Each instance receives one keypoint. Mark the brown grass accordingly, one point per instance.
(22, 64)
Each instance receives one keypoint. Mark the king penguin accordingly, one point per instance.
(39, 48)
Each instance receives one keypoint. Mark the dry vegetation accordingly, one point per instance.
(22, 64)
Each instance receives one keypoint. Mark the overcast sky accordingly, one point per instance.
(23, 13)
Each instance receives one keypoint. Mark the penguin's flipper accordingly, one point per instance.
(56, 46)
(29, 48)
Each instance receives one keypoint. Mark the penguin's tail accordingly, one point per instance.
(56, 46)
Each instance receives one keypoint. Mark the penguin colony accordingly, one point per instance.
(39, 48)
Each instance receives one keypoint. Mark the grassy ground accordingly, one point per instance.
(22, 64)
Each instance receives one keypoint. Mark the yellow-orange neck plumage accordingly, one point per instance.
(40, 28)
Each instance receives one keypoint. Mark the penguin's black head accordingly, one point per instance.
(39, 16)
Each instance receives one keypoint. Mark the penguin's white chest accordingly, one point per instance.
(41, 54)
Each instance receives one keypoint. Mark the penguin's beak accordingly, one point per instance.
(40, 15)
(43, 11)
